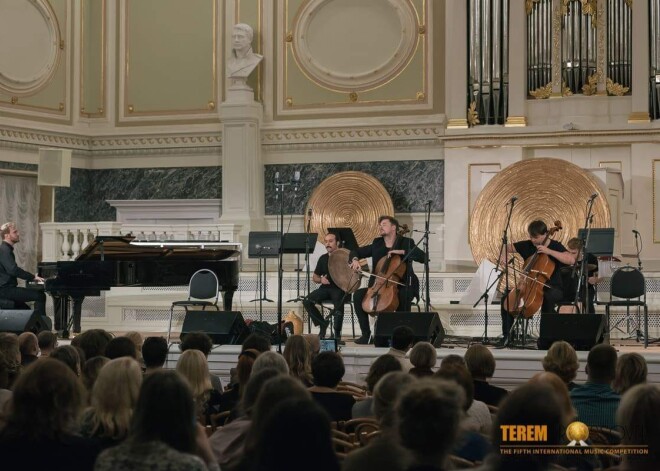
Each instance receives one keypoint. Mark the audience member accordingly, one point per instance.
(452, 359)
(138, 341)
(639, 417)
(423, 358)
(5, 392)
(193, 367)
(28, 344)
(231, 397)
(476, 420)
(383, 453)
(93, 342)
(81, 355)
(291, 422)
(380, 367)
(40, 430)
(270, 360)
(47, 342)
(428, 414)
(90, 371)
(481, 365)
(402, 339)
(595, 401)
(113, 399)
(561, 359)
(298, 356)
(154, 353)
(328, 370)
(258, 342)
(121, 347)
(314, 343)
(161, 436)
(529, 404)
(10, 349)
(69, 356)
(228, 442)
(202, 342)
(630, 370)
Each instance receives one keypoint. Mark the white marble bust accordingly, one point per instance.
(243, 60)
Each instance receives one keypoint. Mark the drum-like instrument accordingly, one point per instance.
(342, 274)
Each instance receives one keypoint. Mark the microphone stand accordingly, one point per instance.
(279, 188)
(427, 231)
(583, 264)
(504, 249)
(638, 246)
(309, 288)
(484, 339)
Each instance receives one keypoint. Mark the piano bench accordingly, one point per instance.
(6, 304)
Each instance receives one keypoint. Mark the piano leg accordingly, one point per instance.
(60, 310)
(227, 299)
(77, 312)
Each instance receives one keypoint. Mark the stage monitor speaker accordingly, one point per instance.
(425, 325)
(18, 321)
(224, 327)
(54, 167)
(582, 331)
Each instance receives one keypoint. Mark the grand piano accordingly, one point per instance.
(124, 261)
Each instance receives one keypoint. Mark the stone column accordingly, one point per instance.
(456, 68)
(517, 65)
(242, 165)
(640, 63)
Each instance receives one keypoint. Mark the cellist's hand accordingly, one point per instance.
(543, 249)
(355, 265)
(395, 252)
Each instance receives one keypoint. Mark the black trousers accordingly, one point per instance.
(20, 296)
(326, 293)
(405, 298)
(551, 297)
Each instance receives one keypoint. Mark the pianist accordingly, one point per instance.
(9, 272)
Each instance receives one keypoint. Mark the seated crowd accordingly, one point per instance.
(108, 403)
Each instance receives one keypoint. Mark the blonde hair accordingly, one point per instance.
(631, 370)
(114, 396)
(136, 338)
(560, 389)
(561, 360)
(298, 356)
(5, 228)
(193, 366)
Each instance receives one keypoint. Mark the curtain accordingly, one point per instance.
(19, 202)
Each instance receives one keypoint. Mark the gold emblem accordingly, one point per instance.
(577, 433)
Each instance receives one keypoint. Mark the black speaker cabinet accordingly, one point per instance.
(224, 327)
(18, 321)
(582, 331)
(425, 325)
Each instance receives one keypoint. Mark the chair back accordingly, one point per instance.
(628, 283)
(203, 285)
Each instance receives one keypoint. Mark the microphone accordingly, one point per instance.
(296, 176)
(514, 198)
(309, 212)
(635, 232)
(277, 188)
(593, 197)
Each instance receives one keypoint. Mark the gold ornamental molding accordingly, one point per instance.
(34, 23)
(515, 122)
(472, 114)
(352, 134)
(547, 189)
(349, 199)
(457, 123)
(616, 89)
(638, 117)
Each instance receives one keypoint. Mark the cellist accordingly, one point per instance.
(384, 246)
(553, 292)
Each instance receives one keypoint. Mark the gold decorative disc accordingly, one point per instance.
(547, 189)
(349, 199)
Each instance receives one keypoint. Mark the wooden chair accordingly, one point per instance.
(355, 390)
(342, 447)
(352, 425)
(365, 438)
(365, 429)
(607, 437)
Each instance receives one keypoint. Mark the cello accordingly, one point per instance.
(527, 298)
(383, 295)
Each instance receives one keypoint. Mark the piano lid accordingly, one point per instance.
(127, 248)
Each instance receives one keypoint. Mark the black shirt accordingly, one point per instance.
(9, 271)
(377, 250)
(526, 249)
(322, 269)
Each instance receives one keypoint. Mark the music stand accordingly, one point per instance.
(263, 245)
(345, 237)
(601, 241)
(299, 242)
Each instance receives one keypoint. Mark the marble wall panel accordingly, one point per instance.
(410, 183)
(18, 166)
(85, 199)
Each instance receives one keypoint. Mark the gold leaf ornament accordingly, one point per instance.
(472, 114)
